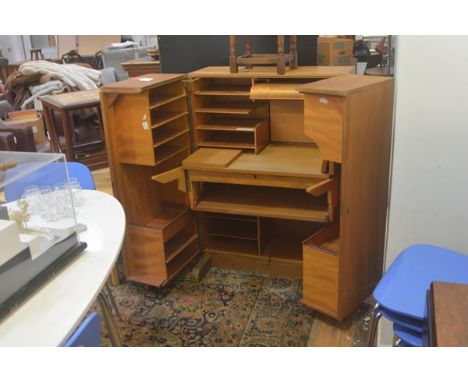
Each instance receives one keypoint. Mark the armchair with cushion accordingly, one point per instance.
(112, 58)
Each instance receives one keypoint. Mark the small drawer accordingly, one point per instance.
(321, 270)
(221, 177)
(323, 122)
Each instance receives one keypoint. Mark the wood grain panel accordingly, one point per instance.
(450, 309)
(320, 278)
(287, 122)
(145, 255)
(132, 130)
(324, 124)
(364, 191)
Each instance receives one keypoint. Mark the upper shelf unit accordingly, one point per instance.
(224, 116)
(158, 123)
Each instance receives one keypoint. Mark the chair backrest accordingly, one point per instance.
(46, 176)
(88, 333)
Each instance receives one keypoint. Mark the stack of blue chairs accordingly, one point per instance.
(401, 294)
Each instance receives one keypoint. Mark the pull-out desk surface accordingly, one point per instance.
(272, 183)
(289, 160)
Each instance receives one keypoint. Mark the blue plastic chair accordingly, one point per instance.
(405, 322)
(410, 337)
(47, 175)
(88, 333)
(402, 292)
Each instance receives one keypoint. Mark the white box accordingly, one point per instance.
(10, 240)
(38, 244)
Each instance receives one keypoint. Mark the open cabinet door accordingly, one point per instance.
(147, 131)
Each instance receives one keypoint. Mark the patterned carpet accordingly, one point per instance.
(228, 308)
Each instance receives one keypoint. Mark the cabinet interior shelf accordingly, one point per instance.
(167, 215)
(168, 136)
(224, 91)
(231, 245)
(164, 99)
(229, 108)
(167, 151)
(231, 228)
(262, 201)
(164, 117)
(232, 142)
(285, 247)
(177, 244)
(247, 125)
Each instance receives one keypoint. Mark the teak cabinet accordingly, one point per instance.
(281, 174)
(350, 119)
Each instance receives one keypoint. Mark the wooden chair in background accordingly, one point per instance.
(248, 59)
(36, 54)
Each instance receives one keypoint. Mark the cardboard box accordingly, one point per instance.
(27, 118)
(333, 51)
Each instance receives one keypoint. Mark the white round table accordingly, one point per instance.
(50, 315)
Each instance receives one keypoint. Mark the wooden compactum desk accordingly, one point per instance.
(279, 174)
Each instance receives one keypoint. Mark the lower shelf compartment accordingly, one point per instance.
(225, 227)
(174, 246)
(230, 245)
(183, 258)
(154, 254)
(257, 264)
(262, 201)
(321, 271)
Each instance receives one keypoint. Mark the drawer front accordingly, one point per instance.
(221, 177)
(324, 123)
(253, 179)
(320, 278)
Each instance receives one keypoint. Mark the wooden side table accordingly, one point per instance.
(64, 104)
(447, 314)
(141, 66)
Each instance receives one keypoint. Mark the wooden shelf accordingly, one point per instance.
(230, 228)
(262, 201)
(230, 245)
(164, 99)
(327, 239)
(284, 246)
(248, 125)
(164, 117)
(229, 108)
(177, 244)
(168, 135)
(183, 258)
(167, 215)
(249, 219)
(166, 152)
(224, 91)
(227, 139)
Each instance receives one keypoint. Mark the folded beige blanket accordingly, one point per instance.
(72, 75)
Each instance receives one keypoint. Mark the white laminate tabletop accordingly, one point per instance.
(50, 315)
